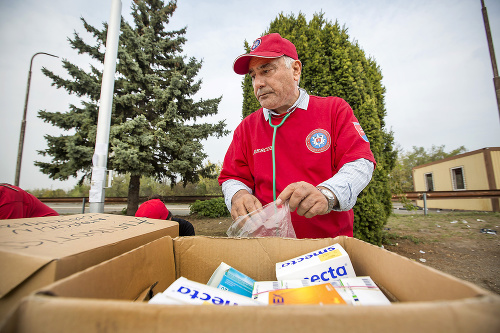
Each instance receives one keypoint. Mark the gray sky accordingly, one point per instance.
(433, 56)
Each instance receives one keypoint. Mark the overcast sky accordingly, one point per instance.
(433, 56)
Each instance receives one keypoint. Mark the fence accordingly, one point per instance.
(171, 199)
(468, 194)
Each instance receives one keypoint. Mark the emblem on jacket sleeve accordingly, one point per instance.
(318, 141)
(361, 133)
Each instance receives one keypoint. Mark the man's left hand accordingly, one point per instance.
(304, 197)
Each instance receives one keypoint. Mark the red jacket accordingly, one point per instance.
(311, 145)
(16, 203)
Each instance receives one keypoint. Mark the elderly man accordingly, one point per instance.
(311, 150)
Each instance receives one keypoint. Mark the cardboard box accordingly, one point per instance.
(107, 297)
(35, 252)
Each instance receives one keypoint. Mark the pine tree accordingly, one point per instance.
(154, 129)
(334, 66)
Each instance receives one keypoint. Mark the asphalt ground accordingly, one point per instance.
(69, 208)
(176, 209)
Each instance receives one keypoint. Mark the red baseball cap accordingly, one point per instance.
(268, 46)
(154, 209)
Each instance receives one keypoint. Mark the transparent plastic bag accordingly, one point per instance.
(269, 221)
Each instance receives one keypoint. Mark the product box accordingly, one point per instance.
(261, 289)
(319, 294)
(110, 295)
(354, 291)
(227, 278)
(323, 265)
(360, 291)
(35, 252)
(190, 292)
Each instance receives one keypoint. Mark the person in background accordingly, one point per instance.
(16, 203)
(154, 208)
(307, 149)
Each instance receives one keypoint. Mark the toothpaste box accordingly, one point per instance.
(362, 291)
(184, 291)
(324, 265)
(227, 278)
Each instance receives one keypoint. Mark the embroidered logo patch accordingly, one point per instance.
(256, 44)
(318, 141)
(362, 134)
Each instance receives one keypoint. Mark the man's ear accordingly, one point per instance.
(297, 70)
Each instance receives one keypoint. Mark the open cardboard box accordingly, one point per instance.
(35, 252)
(108, 297)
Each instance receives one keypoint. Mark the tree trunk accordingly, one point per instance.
(133, 194)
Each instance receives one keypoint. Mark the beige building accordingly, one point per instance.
(475, 170)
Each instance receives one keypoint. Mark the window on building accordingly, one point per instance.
(457, 176)
(429, 182)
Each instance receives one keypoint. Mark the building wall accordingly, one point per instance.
(483, 205)
(475, 177)
(495, 158)
(474, 169)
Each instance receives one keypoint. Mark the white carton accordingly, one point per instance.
(184, 291)
(324, 265)
(362, 291)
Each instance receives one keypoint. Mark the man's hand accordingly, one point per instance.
(243, 203)
(304, 197)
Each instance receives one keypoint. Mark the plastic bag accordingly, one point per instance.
(269, 221)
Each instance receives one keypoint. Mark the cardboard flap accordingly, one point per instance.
(25, 266)
(143, 267)
(26, 245)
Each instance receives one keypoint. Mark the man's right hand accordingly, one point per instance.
(243, 203)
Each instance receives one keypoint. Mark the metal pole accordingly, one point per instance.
(100, 158)
(23, 122)
(425, 203)
(496, 79)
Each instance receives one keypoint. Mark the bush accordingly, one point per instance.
(210, 208)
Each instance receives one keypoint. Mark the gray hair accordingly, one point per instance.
(288, 63)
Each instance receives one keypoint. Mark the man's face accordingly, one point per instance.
(274, 85)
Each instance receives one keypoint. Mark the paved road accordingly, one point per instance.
(66, 208)
(176, 209)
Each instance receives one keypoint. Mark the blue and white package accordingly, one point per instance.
(324, 265)
(184, 291)
(227, 278)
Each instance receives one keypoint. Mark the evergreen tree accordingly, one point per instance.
(334, 66)
(153, 127)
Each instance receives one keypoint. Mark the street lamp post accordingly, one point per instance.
(496, 78)
(23, 123)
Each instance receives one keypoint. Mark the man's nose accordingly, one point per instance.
(259, 82)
